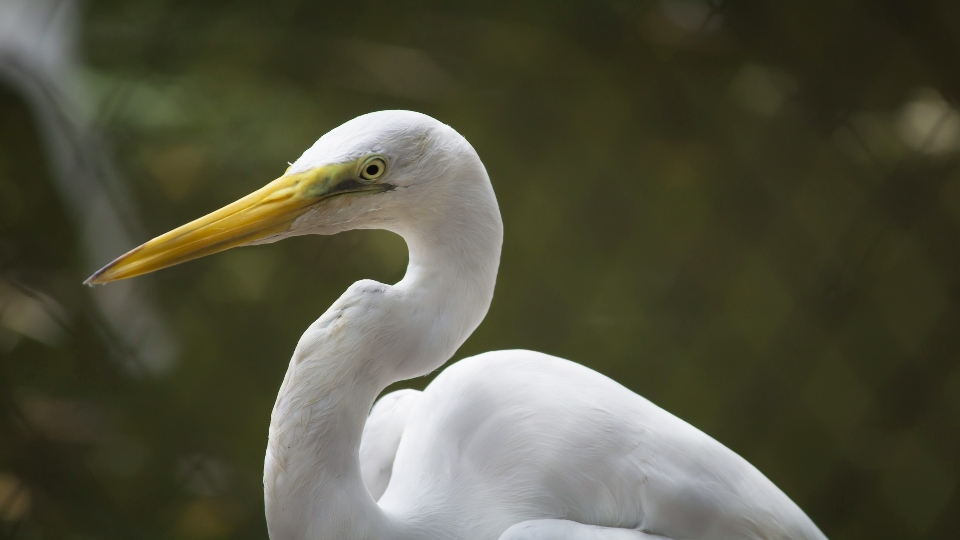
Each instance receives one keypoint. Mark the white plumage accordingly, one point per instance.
(381, 438)
(515, 445)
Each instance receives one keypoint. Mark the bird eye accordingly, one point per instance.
(373, 168)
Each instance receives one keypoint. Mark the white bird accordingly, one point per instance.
(508, 444)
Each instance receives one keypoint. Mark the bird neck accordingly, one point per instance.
(372, 336)
(451, 274)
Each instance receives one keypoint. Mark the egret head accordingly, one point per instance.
(381, 170)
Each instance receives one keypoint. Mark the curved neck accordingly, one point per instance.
(450, 276)
(372, 336)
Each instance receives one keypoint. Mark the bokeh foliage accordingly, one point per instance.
(747, 212)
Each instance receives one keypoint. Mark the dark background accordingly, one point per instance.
(748, 212)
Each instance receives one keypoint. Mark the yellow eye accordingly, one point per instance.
(373, 168)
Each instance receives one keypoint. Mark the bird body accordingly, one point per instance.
(515, 445)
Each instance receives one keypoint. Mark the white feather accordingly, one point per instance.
(381, 438)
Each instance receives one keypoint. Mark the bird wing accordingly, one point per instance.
(511, 436)
(381, 437)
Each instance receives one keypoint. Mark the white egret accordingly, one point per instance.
(508, 444)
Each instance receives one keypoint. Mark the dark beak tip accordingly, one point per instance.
(93, 280)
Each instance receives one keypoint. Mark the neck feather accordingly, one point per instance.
(372, 336)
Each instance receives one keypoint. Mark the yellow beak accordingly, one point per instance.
(268, 211)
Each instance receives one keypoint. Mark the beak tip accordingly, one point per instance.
(96, 278)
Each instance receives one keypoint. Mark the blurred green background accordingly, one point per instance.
(748, 212)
